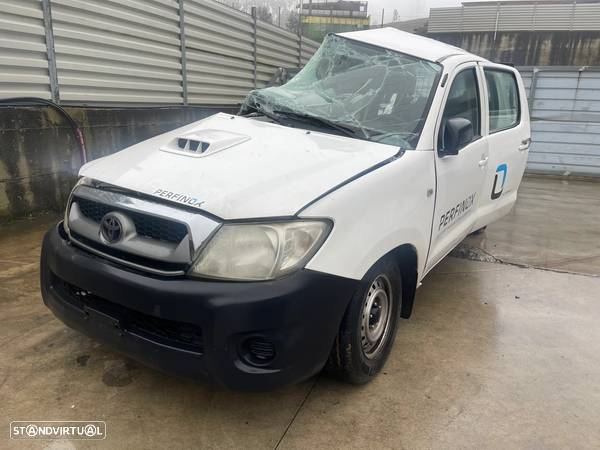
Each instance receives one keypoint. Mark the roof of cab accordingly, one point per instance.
(408, 43)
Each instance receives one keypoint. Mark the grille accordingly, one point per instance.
(130, 257)
(92, 210)
(182, 335)
(145, 225)
(181, 332)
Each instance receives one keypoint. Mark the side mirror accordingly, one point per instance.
(458, 132)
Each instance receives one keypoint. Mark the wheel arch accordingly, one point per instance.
(407, 259)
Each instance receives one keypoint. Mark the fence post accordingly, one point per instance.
(254, 43)
(50, 52)
(497, 19)
(532, 87)
(183, 52)
(572, 15)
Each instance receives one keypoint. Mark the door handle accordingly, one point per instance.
(483, 162)
(525, 143)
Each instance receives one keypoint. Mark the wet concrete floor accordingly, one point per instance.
(495, 356)
(555, 224)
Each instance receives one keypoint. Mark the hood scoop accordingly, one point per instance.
(204, 142)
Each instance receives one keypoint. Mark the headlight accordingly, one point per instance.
(260, 251)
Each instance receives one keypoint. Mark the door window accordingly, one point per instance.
(503, 95)
(463, 101)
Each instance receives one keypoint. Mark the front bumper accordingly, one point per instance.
(197, 328)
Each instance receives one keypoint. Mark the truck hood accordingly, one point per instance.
(236, 167)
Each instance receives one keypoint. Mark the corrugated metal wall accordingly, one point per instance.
(275, 48)
(117, 51)
(507, 17)
(219, 53)
(565, 114)
(307, 49)
(139, 52)
(23, 50)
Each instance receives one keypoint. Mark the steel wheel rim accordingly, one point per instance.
(376, 314)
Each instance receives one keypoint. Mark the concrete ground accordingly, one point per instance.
(496, 355)
(555, 224)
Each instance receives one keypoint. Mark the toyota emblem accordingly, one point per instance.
(111, 228)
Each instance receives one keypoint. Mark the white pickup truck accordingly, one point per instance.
(256, 249)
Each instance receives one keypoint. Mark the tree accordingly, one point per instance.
(293, 22)
(264, 13)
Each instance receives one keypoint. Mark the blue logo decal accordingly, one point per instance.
(497, 190)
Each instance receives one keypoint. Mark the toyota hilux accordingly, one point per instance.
(258, 248)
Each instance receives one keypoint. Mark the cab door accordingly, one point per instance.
(460, 176)
(509, 137)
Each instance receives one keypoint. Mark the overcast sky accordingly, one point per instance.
(407, 9)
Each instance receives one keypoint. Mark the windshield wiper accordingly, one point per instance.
(377, 137)
(347, 130)
(263, 112)
(276, 116)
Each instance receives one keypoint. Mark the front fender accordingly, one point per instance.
(377, 213)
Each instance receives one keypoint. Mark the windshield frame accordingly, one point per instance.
(248, 109)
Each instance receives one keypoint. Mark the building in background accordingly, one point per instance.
(317, 18)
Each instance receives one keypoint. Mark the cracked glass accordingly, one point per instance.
(357, 89)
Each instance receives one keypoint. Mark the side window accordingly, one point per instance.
(463, 101)
(503, 96)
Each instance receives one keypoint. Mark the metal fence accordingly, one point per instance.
(504, 16)
(565, 112)
(144, 52)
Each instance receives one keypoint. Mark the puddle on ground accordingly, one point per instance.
(119, 373)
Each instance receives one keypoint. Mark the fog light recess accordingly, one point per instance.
(258, 351)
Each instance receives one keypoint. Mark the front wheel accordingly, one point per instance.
(369, 326)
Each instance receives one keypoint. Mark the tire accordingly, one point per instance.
(358, 355)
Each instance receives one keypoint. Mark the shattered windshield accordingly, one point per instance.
(356, 89)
